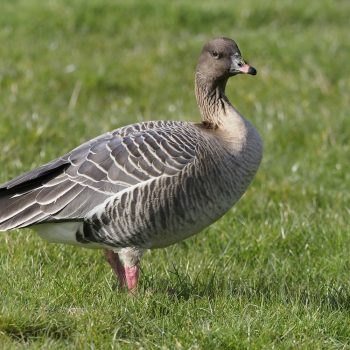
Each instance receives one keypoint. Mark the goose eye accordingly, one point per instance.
(215, 54)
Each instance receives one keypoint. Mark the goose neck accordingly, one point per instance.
(213, 104)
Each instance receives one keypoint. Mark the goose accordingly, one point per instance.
(147, 185)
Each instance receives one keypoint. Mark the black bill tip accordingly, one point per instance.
(252, 70)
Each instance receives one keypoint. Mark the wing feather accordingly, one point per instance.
(71, 186)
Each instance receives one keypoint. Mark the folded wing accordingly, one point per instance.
(68, 188)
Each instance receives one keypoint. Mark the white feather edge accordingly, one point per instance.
(65, 232)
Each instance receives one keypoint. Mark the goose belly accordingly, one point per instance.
(64, 232)
(189, 223)
(163, 211)
(197, 203)
(191, 210)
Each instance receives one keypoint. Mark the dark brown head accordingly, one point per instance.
(221, 59)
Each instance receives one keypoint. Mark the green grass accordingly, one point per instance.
(274, 272)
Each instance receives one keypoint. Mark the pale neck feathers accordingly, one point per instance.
(217, 112)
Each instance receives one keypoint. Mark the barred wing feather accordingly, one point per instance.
(68, 188)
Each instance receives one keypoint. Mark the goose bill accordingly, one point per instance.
(247, 69)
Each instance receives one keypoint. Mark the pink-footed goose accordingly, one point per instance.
(146, 185)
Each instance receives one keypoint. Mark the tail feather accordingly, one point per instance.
(18, 207)
(51, 193)
(20, 213)
(12, 205)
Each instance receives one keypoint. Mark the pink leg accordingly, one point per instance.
(132, 276)
(116, 265)
(127, 275)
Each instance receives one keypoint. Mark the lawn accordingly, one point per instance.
(274, 271)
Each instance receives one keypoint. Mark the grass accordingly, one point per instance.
(274, 272)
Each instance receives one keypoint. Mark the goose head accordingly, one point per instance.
(220, 59)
